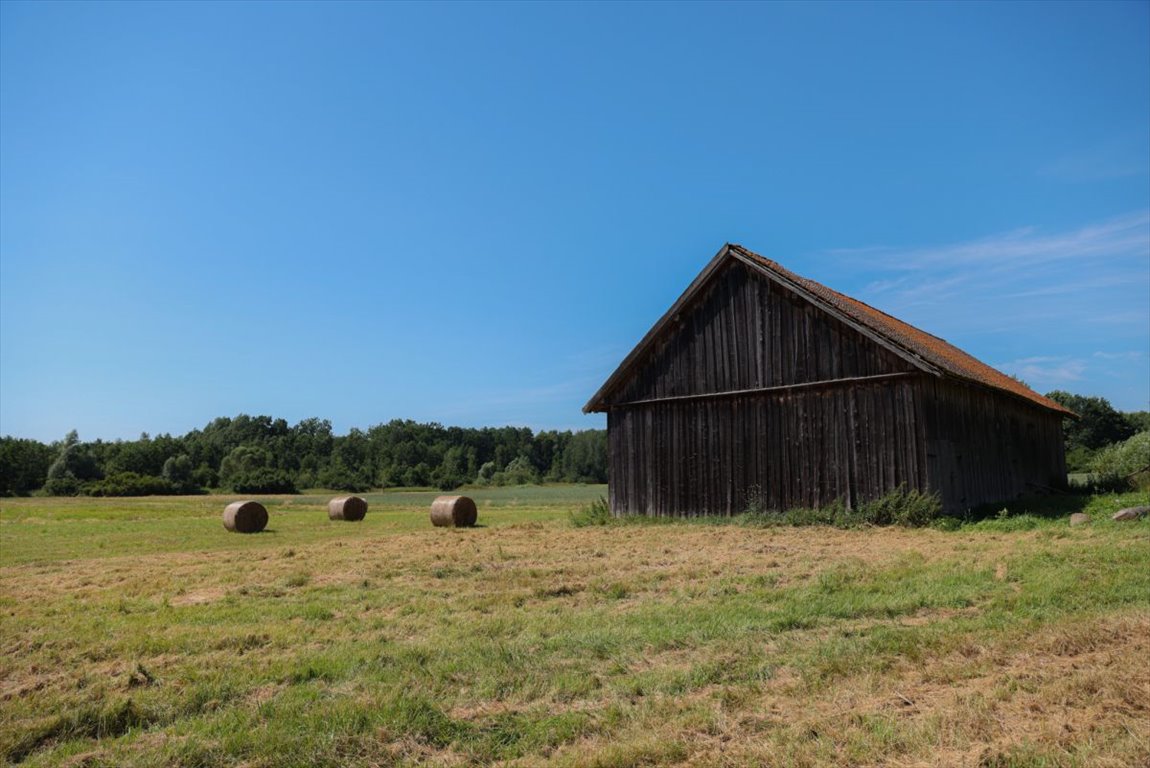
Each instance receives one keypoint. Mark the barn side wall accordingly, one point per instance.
(748, 332)
(807, 448)
(983, 447)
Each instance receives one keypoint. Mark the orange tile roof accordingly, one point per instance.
(936, 352)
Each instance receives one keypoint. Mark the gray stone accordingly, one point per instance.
(1130, 513)
(1079, 518)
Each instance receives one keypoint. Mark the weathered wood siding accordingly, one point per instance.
(807, 447)
(747, 332)
(754, 393)
(984, 447)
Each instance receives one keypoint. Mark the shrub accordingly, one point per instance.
(129, 484)
(262, 480)
(1124, 462)
(1079, 458)
(62, 486)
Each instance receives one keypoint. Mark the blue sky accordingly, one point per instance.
(470, 213)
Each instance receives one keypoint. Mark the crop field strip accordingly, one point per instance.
(141, 633)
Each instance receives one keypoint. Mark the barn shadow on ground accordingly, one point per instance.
(1051, 506)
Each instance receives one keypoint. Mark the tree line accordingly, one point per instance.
(259, 454)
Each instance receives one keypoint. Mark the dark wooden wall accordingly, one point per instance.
(788, 449)
(984, 447)
(748, 332)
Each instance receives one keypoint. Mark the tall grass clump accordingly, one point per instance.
(597, 512)
(902, 506)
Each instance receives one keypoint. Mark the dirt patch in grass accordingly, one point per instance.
(199, 596)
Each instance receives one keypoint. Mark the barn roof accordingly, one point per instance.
(924, 350)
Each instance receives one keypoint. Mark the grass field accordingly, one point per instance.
(140, 633)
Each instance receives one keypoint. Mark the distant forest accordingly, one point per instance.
(259, 454)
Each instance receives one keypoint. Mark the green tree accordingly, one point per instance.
(141, 457)
(1098, 424)
(585, 457)
(1139, 420)
(547, 451)
(486, 473)
(177, 471)
(74, 465)
(452, 471)
(23, 465)
(519, 471)
(250, 469)
(338, 476)
(418, 476)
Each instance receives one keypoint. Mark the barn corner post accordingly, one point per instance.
(758, 378)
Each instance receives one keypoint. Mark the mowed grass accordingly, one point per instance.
(139, 632)
(64, 528)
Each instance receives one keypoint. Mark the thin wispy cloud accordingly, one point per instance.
(1095, 273)
(1104, 281)
(1058, 308)
(1045, 373)
(1029, 246)
(1131, 355)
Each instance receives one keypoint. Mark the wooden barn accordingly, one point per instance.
(758, 383)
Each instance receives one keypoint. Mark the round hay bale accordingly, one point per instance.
(458, 511)
(245, 517)
(351, 508)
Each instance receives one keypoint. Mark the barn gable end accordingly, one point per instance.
(743, 331)
(761, 387)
